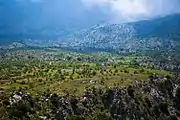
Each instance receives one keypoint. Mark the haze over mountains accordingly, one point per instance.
(156, 34)
(91, 24)
(44, 19)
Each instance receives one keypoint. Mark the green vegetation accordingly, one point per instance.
(49, 83)
(38, 70)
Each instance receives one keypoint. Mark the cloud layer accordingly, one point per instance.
(130, 10)
(22, 16)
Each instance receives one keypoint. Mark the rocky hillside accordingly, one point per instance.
(161, 34)
(157, 34)
(158, 99)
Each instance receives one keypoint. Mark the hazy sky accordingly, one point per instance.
(134, 9)
(24, 15)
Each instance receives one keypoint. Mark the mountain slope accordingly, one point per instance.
(158, 34)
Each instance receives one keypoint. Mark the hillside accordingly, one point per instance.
(161, 34)
(157, 34)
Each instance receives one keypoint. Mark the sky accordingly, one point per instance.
(133, 10)
(22, 16)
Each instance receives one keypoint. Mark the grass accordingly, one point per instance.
(121, 79)
(39, 76)
(76, 86)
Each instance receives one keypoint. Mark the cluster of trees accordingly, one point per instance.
(53, 54)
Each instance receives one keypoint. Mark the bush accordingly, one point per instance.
(99, 116)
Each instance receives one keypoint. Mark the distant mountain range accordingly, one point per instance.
(162, 34)
(157, 34)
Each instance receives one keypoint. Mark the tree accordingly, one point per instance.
(75, 117)
(99, 116)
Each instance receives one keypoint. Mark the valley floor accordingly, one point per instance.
(94, 86)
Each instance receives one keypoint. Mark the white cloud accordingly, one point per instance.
(124, 10)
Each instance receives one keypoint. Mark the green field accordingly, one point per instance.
(36, 71)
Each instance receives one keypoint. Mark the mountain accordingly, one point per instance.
(44, 19)
(157, 34)
(160, 34)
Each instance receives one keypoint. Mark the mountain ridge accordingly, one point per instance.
(157, 34)
(147, 35)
